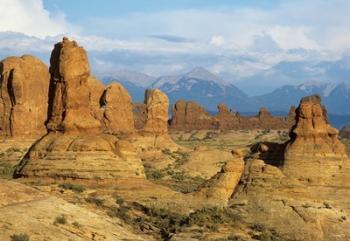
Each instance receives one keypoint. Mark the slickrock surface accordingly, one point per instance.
(157, 105)
(69, 104)
(188, 115)
(219, 189)
(84, 156)
(314, 152)
(294, 210)
(118, 109)
(24, 87)
(24, 210)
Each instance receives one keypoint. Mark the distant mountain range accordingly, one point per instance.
(209, 90)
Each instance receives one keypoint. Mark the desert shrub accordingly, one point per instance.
(265, 234)
(60, 219)
(20, 237)
(168, 222)
(119, 201)
(213, 215)
(95, 200)
(76, 224)
(73, 187)
(121, 212)
(153, 174)
(7, 171)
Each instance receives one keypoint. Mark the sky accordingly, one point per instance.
(234, 39)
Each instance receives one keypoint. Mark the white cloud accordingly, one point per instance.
(30, 17)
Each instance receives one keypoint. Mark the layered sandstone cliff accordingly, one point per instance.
(24, 85)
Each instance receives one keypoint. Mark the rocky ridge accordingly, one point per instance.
(188, 115)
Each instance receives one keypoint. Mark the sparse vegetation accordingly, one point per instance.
(7, 170)
(73, 187)
(20, 237)
(95, 200)
(60, 219)
(260, 232)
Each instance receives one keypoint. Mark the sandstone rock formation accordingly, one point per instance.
(140, 115)
(69, 104)
(314, 152)
(188, 115)
(96, 90)
(41, 210)
(24, 86)
(118, 109)
(220, 188)
(75, 146)
(157, 105)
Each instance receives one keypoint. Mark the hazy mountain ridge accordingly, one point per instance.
(209, 90)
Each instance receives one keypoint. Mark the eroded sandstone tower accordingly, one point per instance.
(24, 84)
(314, 152)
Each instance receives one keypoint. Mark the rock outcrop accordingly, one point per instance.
(24, 87)
(188, 115)
(314, 152)
(75, 146)
(140, 115)
(220, 188)
(69, 103)
(118, 109)
(157, 105)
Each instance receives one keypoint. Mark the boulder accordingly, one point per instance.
(314, 152)
(118, 109)
(24, 87)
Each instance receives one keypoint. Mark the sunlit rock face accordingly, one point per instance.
(314, 152)
(24, 85)
(69, 100)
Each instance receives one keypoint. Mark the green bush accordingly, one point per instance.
(20, 237)
(7, 171)
(73, 187)
(213, 215)
(122, 213)
(153, 174)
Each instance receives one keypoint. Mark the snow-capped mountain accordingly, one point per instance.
(335, 96)
(204, 87)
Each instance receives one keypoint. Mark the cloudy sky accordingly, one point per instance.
(232, 38)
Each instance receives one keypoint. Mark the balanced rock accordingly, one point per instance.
(157, 105)
(118, 109)
(314, 152)
(70, 110)
(24, 87)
